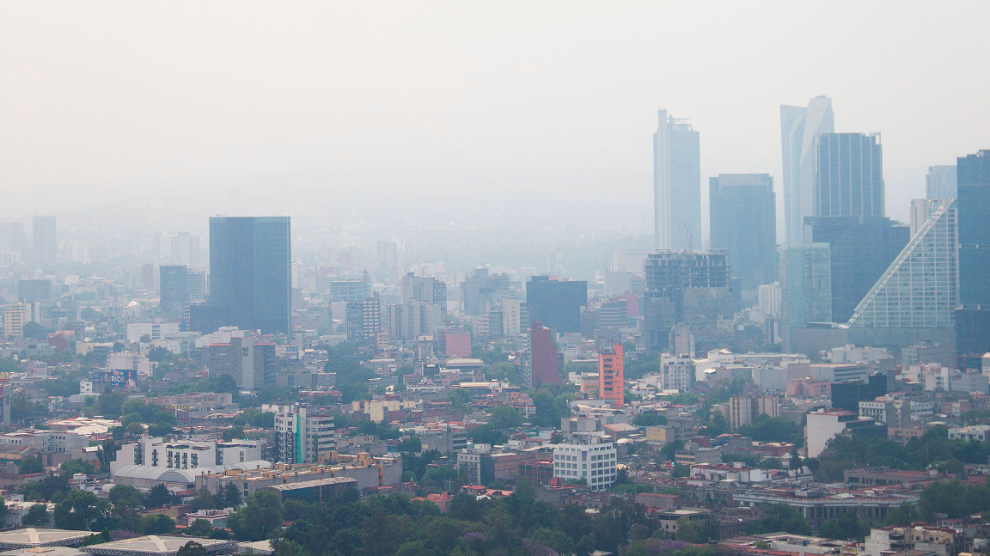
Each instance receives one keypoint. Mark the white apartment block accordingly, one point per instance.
(676, 372)
(592, 464)
(301, 437)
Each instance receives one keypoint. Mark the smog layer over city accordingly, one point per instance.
(494, 278)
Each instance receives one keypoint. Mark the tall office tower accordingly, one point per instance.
(511, 317)
(743, 221)
(45, 242)
(13, 242)
(685, 287)
(848, 175)
(806, 283)
(940, 183)
(973, 316)
(919, 289)
(860, 250)
(556, 303)
(172, 285)
(676, 184)
(178, 249)
(250, 271)
(180, 286)
(610, 376)
(798, 128)
(543, 355)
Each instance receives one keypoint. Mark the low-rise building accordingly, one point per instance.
(975, 433)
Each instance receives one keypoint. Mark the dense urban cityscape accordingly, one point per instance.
(781, 368)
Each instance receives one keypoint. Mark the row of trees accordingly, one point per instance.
(396, 525)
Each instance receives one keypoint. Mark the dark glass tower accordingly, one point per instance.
(744, 222)
(848, 175)
(556, 303)
(250, 271)
(861, 249)
(973, 317)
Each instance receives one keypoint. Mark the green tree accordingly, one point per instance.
(204, 500)
(649, 419)
(905, 514)
(74, 466)
(78, 510)
(487, 434)
(697, 531)
(505, 417)
(465, 506)
(29, 465)
(135, 429)
(229, 496)
(35, 331)
(36, 515)
(847, 526)
(158, 497)
(199, 528)
(192, 548)
(459, 397)
(160, 429)
(781, 517)
(258, 518)
(156, 524)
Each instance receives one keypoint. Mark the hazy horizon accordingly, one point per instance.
(531, 116)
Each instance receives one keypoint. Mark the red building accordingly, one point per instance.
(610, 386)
(544, 355)
(457, 343)
(538, 471)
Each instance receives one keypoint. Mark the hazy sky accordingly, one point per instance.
(119, 104)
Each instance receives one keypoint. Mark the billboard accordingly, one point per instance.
(121, 378)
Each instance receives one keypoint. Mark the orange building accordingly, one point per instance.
(610, 386)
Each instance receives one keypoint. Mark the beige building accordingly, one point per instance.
(15, 316)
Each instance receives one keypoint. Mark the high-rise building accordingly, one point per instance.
(848, 175)
(556, 303)
(676, 372)
(178, 249)
(45, 242)
(676, 184)
(13, 242)
(610, 376)
(480, 290)
(806, 283)
(860, 250)
(940, 183)
(543, 355)
(798, 128)
(302, 437)
(250, 271)
(685, 287)
(743, 410)
(973, 316)
(363, 320)
(744, 224)
(511, 317)
(180, 286)
(15, 316)
(770, 299)
(920, 288)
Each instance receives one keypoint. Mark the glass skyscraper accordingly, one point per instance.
(743, 211)
(973, 316)
(919, 289)
(676, 184)
(799, 126)
(45, 242)
(250, 272)
(848, 175)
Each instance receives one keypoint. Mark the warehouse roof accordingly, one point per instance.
(157, 545)
(30, 537)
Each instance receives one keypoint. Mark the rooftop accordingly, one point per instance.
(31, 537)
(159, 545)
